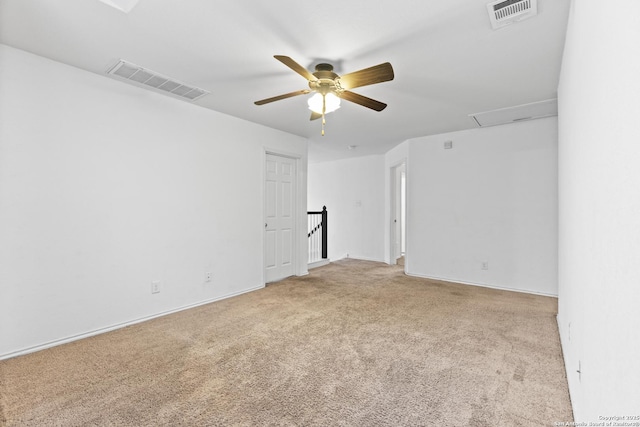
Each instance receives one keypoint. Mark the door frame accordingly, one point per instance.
(298, 194)
(394, 196)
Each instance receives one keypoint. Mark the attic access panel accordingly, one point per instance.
(518, 113)
(122, 5)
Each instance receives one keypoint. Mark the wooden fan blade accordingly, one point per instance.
(296, 67)
(363, 100)
(279, 97)
(315, 116)
(368, 76)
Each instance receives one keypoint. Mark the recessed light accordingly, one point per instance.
(352, 147)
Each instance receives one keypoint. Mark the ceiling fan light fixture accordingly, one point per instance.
(331, 103)
(329, 87)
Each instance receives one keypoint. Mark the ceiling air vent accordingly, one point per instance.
(145, 77)
(505, 12)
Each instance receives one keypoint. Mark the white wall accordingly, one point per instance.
(105, 187)
(599, 211)
(353, 191)
(493, 197)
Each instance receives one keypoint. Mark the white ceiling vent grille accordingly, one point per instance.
(145, 77)
(505, 12)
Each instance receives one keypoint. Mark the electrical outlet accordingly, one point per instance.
(155, 286)
(207, 276)
(485, 265)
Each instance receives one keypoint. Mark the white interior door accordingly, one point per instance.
(280, 193)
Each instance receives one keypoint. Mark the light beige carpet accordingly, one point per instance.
(355, 343)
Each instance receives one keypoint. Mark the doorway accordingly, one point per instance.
(280, 217)
(397, 238)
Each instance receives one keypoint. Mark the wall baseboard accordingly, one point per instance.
(362, 258)
(570, 383)
(483, 285)
(92, 333)
(318, 263)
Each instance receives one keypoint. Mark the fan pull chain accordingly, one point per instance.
(324, 108)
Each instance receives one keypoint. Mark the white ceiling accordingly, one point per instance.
(448, 62)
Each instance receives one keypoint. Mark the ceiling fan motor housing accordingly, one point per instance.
(324, 67)
(327, 82)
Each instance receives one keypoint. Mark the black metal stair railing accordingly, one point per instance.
(317, 235)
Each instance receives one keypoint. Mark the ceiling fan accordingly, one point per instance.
(330, 88)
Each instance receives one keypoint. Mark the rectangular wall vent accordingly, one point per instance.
(519, 113)
(505, 12)
(143, 76)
